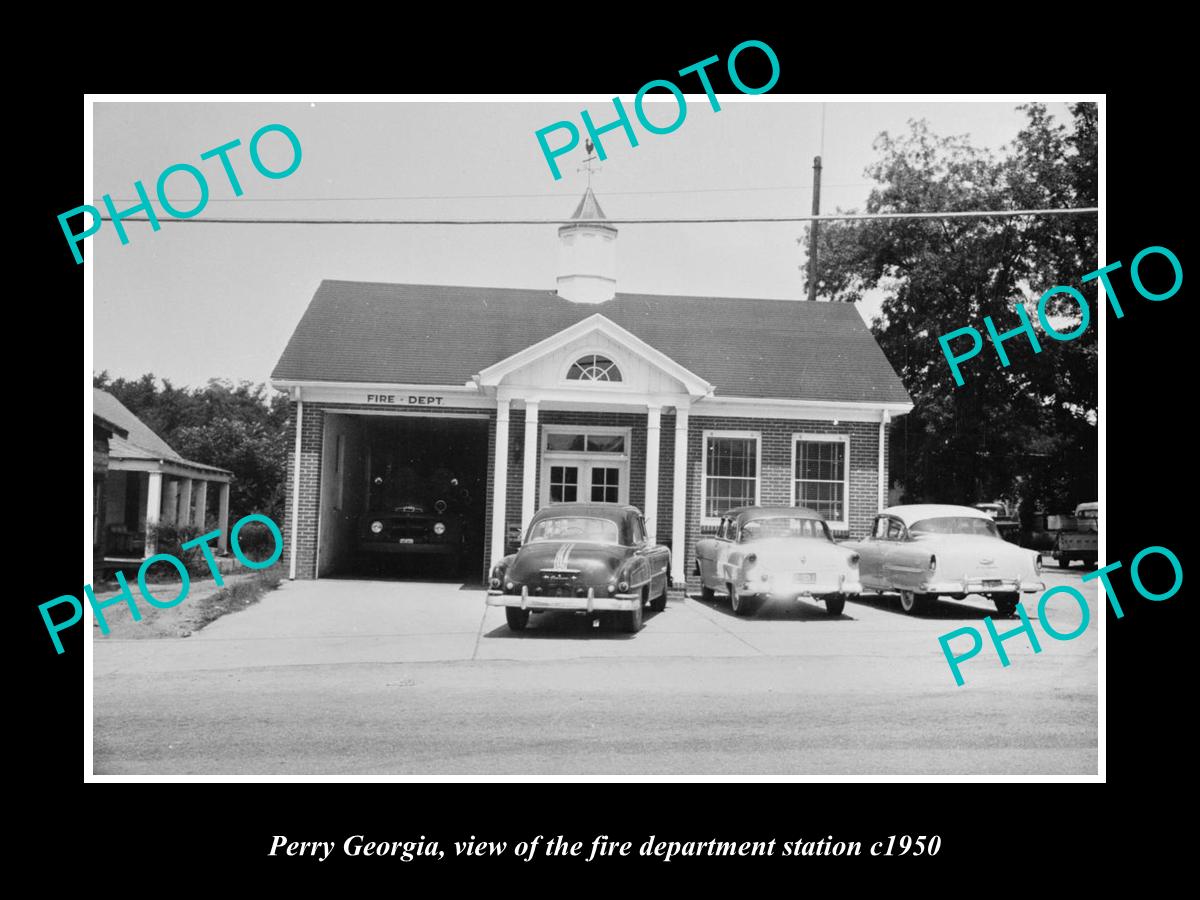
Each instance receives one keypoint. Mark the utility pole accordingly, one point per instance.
(814, 230)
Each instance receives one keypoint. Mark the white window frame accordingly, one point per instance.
(844, 439)
(584, 458)
(705, 520)
(577, 355)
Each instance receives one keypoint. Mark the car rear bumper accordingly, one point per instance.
(984, 586)
(786, 590)
(591, 602)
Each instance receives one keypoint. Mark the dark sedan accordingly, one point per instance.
(586, 558)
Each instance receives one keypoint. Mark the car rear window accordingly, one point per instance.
(784, 526)
(574, 528)
(955, 525)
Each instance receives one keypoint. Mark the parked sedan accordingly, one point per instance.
(587, 558)
(927, 551)
(775, 552)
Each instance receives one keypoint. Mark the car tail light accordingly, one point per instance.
(1037, 563)
(752, 558)
(932, 563)
(495, 582)
(854, 558)
(623, 586)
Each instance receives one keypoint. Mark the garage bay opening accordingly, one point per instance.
(403, 496)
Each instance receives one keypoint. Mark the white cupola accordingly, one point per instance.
(587, 254)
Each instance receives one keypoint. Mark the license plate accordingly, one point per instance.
(992, 582)
(806, 577)
(406, 540)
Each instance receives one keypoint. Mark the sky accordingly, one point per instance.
(192, 302)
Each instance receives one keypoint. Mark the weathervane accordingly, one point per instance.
(587, 162)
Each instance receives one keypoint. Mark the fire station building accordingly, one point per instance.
(682, 406)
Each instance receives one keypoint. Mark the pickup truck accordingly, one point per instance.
(1077, 536)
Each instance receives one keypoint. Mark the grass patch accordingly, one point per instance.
(236, 597)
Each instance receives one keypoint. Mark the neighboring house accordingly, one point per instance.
(147, 483)
(103, 431)
(683, 406)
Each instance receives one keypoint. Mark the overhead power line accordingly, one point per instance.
(784, 187)
(828, 217)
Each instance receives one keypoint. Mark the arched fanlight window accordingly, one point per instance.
(594, 368)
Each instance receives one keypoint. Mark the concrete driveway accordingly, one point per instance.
(375, 677)
(336, 621)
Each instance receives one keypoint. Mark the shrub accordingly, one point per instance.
(170, 539)
(255, 541)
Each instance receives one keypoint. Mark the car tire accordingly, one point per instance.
(913, 603)
(1006, 604)
(659, 603)
(517, 618)
(631, 621)
(835, 604)
(741, 604)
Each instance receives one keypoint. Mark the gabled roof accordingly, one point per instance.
(140, 437)
(139, 442)
(366, 332)
(112, 428)
(595, 324)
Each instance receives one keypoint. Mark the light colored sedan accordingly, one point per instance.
(779, 552)
(930, 550)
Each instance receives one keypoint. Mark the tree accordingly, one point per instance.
(1025, 431)
(233, 426)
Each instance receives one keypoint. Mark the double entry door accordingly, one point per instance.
(595, 468)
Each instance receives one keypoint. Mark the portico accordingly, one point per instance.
(597, 367)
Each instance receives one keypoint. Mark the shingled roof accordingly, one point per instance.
(139, 441)
(442, 335)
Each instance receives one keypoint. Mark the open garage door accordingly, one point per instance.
(403, 496)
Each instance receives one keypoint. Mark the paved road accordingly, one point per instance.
(373, 678)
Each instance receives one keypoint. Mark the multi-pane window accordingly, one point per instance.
(594, 367)
(731, 474)
(564, 484)
(820, 477)
(578, 442)
(606, 484)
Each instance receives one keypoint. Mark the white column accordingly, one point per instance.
(171, 505)
(201, 504)
(529, 470)
(883, 423)
(500, 482)
(153, 508)
(183, 515)
(223, 518)
(679, 499)
(653, 434)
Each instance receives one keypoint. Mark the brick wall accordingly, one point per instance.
(776, 476)
(775, 487)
